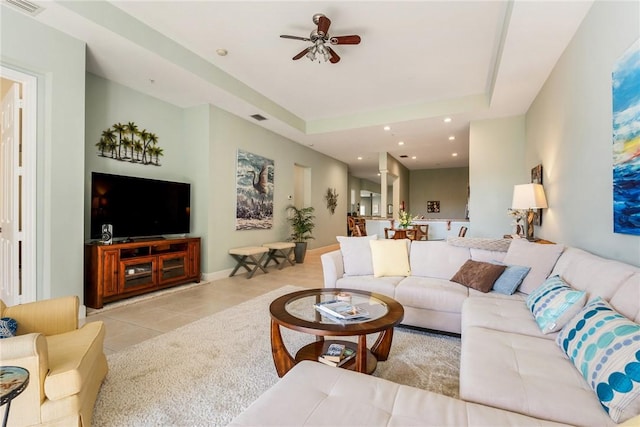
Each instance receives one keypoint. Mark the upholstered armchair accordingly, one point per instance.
(66, 364)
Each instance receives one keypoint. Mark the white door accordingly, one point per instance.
(9, 215)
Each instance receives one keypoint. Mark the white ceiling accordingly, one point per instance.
(419, 61)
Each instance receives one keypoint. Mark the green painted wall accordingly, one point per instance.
(228, 134)
(449, 186)
(200, 146)
(569, 131)
(58, 62)
(496, 164)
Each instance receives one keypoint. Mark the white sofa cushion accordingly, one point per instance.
(312, 394)
(436, 259)
(500, 314)
(382, 285)
(528, 375)
(625, 299)
(540, 257)
(485, 255)
(356, 254)
(431, 293)
(596, 275)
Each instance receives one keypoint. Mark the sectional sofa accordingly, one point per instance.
(520, 365)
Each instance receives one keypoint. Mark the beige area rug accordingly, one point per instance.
(207, 372)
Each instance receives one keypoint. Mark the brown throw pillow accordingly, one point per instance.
(478, 275)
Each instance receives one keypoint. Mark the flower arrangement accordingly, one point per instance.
(518, 216)
(405, 219)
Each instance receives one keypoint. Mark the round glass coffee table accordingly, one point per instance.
(297, 311)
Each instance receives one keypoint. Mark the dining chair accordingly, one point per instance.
(421, 232)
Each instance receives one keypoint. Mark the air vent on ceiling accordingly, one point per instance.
(258, 117)
(403, 156)
(24, 6)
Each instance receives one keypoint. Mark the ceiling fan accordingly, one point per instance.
(319, 39)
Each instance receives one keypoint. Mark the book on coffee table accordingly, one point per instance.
(335, 352)
(347, 355)
(341, 310)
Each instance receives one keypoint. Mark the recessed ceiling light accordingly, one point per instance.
(414, 157)
(379, 174)
(222, 52)
(400, 142)
(359, 157)
(451, 138)
(447, 119)
(454, 154)
(387, 128)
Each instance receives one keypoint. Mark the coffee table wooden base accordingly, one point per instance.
(365, 361)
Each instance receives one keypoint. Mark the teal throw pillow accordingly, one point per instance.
(605, 348)
(8, 327)
(510, 279)
(554, 303)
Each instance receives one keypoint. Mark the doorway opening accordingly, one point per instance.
(302, 186)
(18, 92)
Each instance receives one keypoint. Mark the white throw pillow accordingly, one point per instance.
(356, 255)
(390, 257)
(540, 257)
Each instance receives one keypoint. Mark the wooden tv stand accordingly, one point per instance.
(122, 270)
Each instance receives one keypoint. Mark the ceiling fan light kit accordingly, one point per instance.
(320, 40)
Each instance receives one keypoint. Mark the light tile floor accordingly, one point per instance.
(133, 323)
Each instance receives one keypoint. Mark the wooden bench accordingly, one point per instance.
(247, 257)
(279, 250)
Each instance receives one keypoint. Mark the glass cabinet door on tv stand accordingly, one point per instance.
(137, 273)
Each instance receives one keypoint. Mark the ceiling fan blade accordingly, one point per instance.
(305, 39)
(334, 56)
(323, 25)
(301, 54)
(353, 39)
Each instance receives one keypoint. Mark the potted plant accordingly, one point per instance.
(301, 220)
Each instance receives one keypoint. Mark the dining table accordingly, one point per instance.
(402, 233)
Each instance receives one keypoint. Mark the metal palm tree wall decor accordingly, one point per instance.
(125, 142)
(332, 199)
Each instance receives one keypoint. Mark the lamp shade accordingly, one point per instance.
(528, 196)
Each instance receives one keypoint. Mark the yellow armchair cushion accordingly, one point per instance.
(73, 357)
(48, 317)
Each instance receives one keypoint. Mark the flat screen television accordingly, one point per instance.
(138, 207)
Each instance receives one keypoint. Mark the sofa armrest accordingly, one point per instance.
(30, 352)
(48, 317)
(332, 268)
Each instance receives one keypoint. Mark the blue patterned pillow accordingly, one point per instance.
(605, 347)
(554, 303)
(8, 327)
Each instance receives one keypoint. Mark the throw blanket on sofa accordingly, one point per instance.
(497, 245)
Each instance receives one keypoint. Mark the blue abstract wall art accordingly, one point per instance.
(626, 141)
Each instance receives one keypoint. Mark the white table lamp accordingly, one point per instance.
(528, 197)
